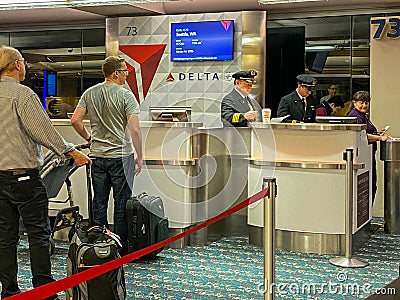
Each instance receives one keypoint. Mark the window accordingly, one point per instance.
(72, 57)
(336, 51)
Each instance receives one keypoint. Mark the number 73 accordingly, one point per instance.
(394, 28)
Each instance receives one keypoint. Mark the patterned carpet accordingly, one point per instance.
(230, 268)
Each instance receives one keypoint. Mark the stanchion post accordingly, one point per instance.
(348, 261)
(269, 238)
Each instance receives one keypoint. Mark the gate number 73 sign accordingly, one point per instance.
(394, 30)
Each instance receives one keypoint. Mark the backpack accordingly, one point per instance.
(91, 246)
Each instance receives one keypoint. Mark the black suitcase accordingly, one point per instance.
(92, 245)
(147, 224)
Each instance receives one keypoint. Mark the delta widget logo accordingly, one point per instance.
(170, 78)
(148, 57)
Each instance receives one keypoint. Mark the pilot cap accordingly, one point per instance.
(247, 76)
(306, 80)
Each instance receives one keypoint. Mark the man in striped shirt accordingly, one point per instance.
(25, 128)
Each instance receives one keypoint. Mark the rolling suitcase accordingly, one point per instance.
(147, 223)
(92, 245)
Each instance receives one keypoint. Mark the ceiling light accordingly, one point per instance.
(26, 4)
(285, 1)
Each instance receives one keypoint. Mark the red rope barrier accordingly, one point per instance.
(52, 288)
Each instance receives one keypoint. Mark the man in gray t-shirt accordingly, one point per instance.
(113, 113)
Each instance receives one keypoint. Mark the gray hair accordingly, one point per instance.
(8, 55)
(362, 96)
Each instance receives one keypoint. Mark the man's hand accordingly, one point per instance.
(138, 166)
(250, 115)
(79, 158)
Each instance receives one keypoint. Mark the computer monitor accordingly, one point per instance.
(336, 120)
(170, 114)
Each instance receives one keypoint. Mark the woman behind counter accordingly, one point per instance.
(359, 109)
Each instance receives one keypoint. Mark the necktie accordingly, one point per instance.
(304, 101)
(249, 103)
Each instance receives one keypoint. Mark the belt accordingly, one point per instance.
(17, 171)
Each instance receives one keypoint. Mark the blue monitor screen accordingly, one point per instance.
(51, 84)
(202, 41)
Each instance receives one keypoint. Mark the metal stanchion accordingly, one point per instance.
(269, 238)
(348, 261)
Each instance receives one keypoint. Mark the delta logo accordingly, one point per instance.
(170, 78)
(193, 76)
(148, 57)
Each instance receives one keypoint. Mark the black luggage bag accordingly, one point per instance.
(92, 245)
(147, 224)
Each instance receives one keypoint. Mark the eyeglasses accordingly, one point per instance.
(362, 102)
(125, 70)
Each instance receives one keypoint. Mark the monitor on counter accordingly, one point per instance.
(336, 120)
(202, 41)
(170, 114)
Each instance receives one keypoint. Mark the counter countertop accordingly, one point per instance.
(255, 125)
(309, 126)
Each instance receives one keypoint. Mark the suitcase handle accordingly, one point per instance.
(90, 196)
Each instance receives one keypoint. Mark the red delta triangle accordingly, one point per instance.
(132, 82)
(226, 24)
(170, 78)
(148, 56)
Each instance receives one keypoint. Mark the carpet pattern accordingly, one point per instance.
(231, 268)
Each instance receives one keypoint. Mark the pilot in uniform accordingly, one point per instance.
(296, 105)
(237, 108)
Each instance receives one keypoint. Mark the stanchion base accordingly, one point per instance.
(348, 262)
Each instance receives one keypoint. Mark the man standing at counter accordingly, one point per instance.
(113, 113)
(295, 104)
(25, 127)
(237, 108)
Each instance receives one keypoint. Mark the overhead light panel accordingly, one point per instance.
(26, 4)
(285, 1)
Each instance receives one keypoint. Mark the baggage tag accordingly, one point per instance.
(115, 237)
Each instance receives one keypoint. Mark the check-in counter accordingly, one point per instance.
(200, 172)
(307, 162)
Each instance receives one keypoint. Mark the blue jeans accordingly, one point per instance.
(23, 195)
(115, 173)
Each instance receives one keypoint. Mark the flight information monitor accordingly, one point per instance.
(202, 41)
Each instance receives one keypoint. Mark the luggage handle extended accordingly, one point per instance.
(90, 196)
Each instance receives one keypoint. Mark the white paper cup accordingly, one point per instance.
(266, 115)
